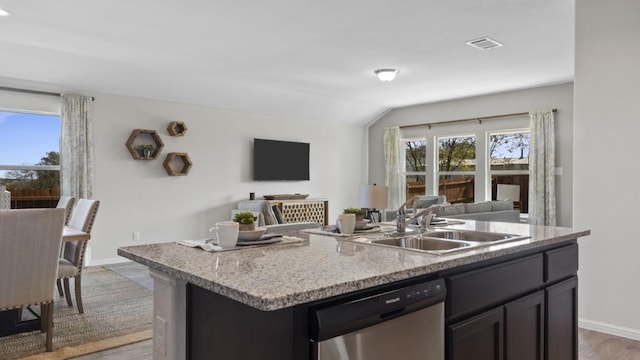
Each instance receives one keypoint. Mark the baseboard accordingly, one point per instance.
(632, 334)
(111, 261)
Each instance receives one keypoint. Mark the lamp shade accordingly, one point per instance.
(374, 196)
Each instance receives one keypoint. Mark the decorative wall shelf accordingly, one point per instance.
(177, 128)
(172, 164)
(142, 136)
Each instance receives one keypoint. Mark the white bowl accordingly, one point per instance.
(361, 224)
(252, 235)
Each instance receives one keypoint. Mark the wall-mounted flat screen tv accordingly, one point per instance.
(280, 160)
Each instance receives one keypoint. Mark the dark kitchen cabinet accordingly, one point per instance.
(478, 338)
(524, 333)
(562, 320)
(521, 309)
(512, 331)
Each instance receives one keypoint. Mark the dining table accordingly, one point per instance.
(10, 320)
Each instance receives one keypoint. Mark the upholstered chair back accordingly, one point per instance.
(82, 218)
(30, 241)
(66, 202)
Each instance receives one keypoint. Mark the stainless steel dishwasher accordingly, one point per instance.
(406, 323)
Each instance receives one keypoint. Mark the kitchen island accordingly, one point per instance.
(255, 302)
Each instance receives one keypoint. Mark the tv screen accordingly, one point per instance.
(280, 160)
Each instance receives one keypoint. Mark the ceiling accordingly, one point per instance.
(298, 59)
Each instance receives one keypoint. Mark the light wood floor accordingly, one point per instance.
(592, 345)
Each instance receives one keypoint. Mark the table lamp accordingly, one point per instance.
(374, 197)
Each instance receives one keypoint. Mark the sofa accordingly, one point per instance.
(498, 210)
(268, 217)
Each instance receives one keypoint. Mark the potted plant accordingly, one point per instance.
(246, 220)
(357, 211)
(146, 150)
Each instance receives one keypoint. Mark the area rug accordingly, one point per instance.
(117, 311)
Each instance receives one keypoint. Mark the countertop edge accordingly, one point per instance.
(293, 299)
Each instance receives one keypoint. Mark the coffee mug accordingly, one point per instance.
(225, 233)
(346, 223)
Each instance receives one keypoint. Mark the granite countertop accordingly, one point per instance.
(272, 277)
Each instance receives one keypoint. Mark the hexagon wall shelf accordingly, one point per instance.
(136, 138)
(177, 128)
(171, 161)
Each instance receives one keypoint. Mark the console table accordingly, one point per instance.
(307, 210)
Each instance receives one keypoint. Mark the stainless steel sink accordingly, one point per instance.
(469, 235)
(440, 241)
(422, 244)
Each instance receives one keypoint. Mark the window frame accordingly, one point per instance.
(403, 157)
(9, 167)
(436, 162)
(489, 172)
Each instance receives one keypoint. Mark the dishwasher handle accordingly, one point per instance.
(357, 314)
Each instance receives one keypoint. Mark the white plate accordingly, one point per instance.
(251, 235)
(362, 224)
(368, 228)
(259, 242)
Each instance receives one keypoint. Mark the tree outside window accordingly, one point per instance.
(456, 168)
(509, 165)
(415, 152)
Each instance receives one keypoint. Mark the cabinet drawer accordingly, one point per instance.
(560, 263)
(493, 285)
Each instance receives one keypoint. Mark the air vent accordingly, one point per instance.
(484, 43)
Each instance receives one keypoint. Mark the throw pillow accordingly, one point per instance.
(501, 205)
(278, 214)
(424, 202)
(273, 220)
(261, 206)
(478, 207)
(455, 209)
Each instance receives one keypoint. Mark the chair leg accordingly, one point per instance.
(49, 325)
(67, 293)
(76, 285)
(43, 317)
(59, 286)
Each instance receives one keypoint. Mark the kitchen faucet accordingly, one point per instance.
(423, 216)
(401, 217)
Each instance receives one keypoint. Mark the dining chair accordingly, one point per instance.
(66, 202)
(72, 260)
(29, 248)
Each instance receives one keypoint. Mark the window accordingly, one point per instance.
(509, 166)
(456, 168)
(414, 157)
(30, 158)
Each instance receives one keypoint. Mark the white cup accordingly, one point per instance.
(346, 223)
(225, 233)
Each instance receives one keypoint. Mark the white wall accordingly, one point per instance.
(607, 126)
(140, 196)
(546, 97)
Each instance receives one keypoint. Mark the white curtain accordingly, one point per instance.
(76, 146)
(542, 188)
(392, 168)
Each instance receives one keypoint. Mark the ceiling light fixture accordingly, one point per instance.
(4, 12)
(386, 74)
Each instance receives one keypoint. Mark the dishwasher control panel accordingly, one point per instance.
(368, 310)
(422, 291)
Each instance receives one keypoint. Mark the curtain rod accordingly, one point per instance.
(478, 119)
(36, 92)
